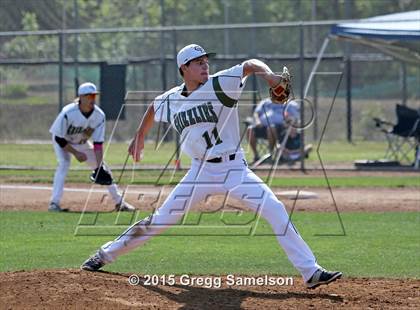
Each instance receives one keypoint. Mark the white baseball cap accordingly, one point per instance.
(87, 88)
(189, 53)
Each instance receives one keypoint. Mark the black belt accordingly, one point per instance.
(219, 159)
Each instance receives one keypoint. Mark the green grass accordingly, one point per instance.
(36, 155)
(343, 152)
(140, 177)
(354, 181)
(29, 100)
(374, 245)
(42, 155)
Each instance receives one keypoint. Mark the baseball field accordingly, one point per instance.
(221, 255)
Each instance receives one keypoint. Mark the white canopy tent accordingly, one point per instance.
(396, 34)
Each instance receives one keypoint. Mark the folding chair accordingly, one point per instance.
(404, 136)
(261, 142)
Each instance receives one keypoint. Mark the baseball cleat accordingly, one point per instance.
(124, 206)
(322, 277)
(54, 207)
(93, 263)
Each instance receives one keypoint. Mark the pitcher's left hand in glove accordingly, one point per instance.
(101, 176)
(281, 92)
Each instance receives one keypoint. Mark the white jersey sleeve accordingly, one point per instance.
(99, 131)
(59, 127)
(232, 81)
(161, 105)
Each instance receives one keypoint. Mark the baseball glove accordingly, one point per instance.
(281, 92)
(87, 133)
(101, 176)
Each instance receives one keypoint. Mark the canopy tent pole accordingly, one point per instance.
(403, 74)
(316, 65)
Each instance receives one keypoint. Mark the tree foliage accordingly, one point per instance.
(31, 46)
(70, 14)
(57, 14)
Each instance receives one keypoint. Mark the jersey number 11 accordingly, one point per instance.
(206, 137)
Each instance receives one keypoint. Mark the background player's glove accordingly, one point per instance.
(281, 92)
(87, 133)
(101, 176)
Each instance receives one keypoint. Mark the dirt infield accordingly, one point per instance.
(80, 289)
(147, 198)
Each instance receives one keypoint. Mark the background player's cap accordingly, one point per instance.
(190, 52)
(86, 89)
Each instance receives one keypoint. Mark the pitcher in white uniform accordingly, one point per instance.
(74, 126)
(204, 111)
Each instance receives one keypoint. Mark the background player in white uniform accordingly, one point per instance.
(71, 130)
(204, 111)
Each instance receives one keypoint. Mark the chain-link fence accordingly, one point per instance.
(42, 74)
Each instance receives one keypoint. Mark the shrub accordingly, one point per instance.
(15, 91)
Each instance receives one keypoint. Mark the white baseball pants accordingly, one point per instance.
(64, 159)
(228, 177)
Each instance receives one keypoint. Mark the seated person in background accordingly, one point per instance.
(292, 152)
(268, 123)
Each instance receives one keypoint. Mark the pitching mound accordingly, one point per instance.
(75, 289)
